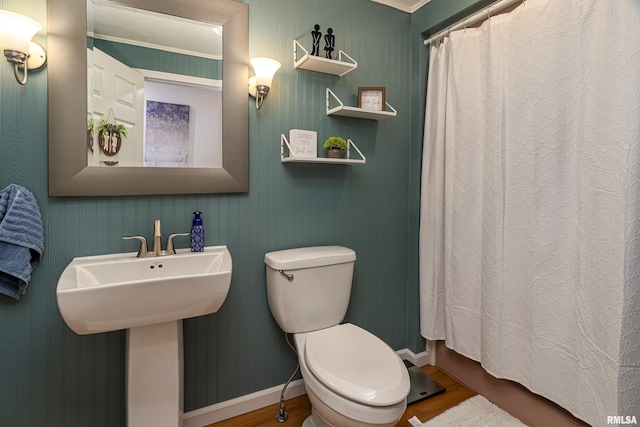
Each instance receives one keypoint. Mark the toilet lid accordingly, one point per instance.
(356, 364)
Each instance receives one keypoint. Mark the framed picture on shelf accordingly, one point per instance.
(371, 98)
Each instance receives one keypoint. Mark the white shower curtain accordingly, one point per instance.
(529, 229)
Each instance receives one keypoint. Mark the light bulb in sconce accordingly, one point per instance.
(16, 32)
(260, 84)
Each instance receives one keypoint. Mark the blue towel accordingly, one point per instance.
(21, 239)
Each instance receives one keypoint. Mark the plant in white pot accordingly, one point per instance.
(336, 147)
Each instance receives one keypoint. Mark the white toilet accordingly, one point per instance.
(352, 378)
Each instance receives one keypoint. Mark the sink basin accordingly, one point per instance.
(120, 291)
(148, 297)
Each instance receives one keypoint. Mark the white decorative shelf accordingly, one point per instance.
(344, 110)
(290, 158)
(338, 67)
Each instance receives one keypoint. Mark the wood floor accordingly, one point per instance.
(299, 408)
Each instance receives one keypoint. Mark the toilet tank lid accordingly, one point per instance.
(317, 256)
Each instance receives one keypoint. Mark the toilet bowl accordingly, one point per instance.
(352, 378)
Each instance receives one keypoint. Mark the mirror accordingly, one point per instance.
(160, 78)
(72, 169)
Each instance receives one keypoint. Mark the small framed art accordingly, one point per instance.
(371, 98)
(304, 143)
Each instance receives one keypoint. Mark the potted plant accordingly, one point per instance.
(110, 137)
(336, 147)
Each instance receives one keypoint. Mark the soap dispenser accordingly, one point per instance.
(197, 233)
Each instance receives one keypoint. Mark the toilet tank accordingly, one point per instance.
(309, 288)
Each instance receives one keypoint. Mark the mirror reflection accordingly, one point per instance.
(154, 86)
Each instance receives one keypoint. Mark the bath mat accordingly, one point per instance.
(474, 412)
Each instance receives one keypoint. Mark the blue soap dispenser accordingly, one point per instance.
(197, 233)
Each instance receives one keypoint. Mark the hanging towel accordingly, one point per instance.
(21, 239)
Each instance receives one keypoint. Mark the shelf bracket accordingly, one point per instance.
(297, 45)
(283, 142)
(351, 144)
(392, 109)
(330, 94)
(342, 53)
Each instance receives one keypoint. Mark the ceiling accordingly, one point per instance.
(114, 22)
(409, 6)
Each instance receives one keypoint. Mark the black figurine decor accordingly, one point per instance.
(329, 42)
(316, 35)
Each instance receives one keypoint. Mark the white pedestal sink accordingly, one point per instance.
(149, 297)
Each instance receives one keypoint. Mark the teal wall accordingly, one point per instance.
(160, 60)
(51, 376)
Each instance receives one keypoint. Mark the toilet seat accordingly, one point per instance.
(357, 365)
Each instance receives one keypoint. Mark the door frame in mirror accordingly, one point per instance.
(69, 173)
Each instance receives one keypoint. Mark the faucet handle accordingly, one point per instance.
(142, 252)
(169, 247)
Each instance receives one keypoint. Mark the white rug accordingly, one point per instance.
(474, 412)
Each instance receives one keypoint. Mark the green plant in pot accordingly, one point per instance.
(336, 147)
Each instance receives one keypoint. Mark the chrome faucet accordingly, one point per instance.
(157, 243)
(157, 238)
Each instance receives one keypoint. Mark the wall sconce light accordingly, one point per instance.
(259, 84)
(16, 32)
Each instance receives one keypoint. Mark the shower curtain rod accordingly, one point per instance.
(472, 19)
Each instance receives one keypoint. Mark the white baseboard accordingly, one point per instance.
(241, 405)
(260, 399)
(419, 359)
